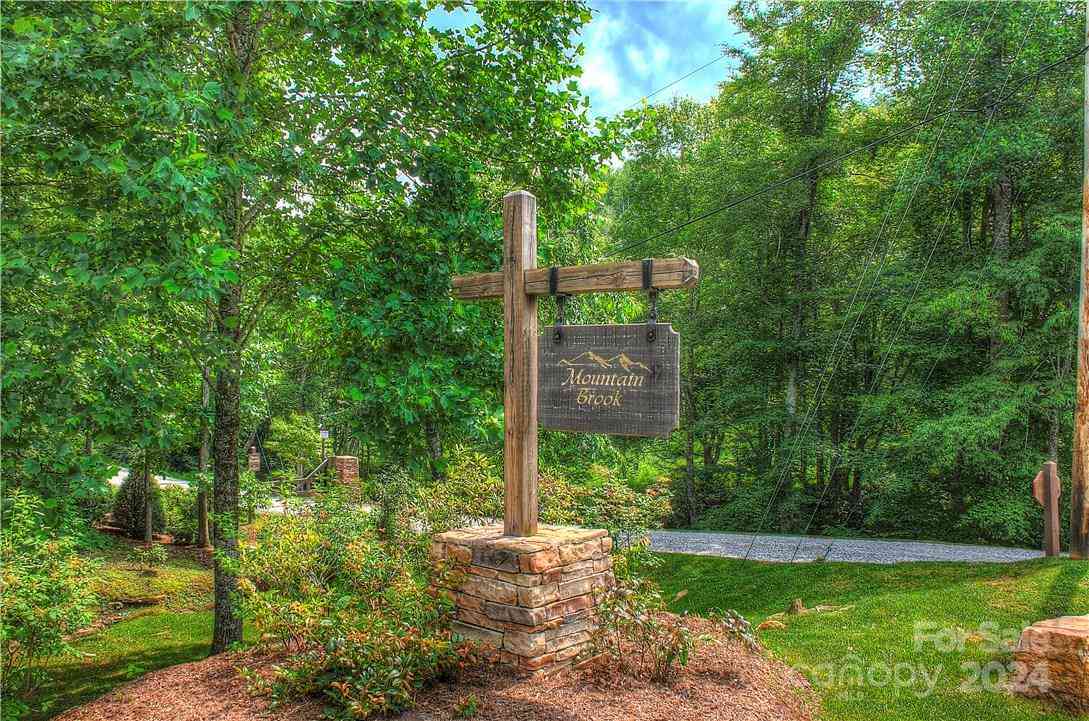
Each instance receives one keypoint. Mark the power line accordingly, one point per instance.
(678, 80)
(872, 144)
(911, 300)
(830, 369)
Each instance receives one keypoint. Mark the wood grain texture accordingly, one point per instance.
(610, 379)
(669, 273)
(1051, 493)
(519, 365)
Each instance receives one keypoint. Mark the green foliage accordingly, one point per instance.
(129, 509)
(256, 492)
(179, 513)
(467, 707)
(472, 490)
(356, 613)
(1009, 518)
(635, 632)
(149, 557)
(295, 440)
(46, 594)
(883, 344)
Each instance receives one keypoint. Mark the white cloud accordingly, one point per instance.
(638, 59)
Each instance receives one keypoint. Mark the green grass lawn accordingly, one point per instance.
(877, 633)
(176, 630)
(975, 602)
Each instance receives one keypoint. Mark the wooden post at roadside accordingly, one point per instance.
(1046, 490)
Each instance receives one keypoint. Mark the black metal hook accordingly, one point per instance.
(561, 303)
(652, 293)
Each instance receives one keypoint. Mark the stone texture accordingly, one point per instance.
(346, 469)
(1053, 660)
(533, 597)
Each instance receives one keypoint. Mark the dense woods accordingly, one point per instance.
(224, 219)
(884, 344)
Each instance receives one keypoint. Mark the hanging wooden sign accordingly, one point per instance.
(618, 379)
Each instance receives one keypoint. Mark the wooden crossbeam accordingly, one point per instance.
(668, 274)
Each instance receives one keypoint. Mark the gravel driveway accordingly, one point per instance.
(853, 550)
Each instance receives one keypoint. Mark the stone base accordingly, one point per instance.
(531, 597)
(1053, 656)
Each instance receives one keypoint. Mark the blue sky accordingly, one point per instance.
(634, 48)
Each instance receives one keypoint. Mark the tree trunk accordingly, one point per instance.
(1002, 206)
(227, 628)
(690, 477)
(203, 537)
(147, 502)
(434, 448)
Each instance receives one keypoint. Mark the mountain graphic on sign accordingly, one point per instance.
(589, 358)
(627, 363)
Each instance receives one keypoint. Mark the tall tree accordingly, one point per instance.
(220, 150)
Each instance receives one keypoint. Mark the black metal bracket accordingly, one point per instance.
(652, 296)
(561, 303)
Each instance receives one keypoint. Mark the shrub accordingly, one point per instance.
(129, 510)
(356, 613)
(45, 595)
(294, 439)
(473, 491)
(149, 557)
(635, 631)
(179, 512)
(256, 492)
(1000, 516)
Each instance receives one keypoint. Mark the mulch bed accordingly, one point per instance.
(723, 680)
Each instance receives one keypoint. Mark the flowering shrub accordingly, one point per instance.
(357, 614)
(45, 595)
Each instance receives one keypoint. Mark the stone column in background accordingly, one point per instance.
(346, 469)
(254, 460)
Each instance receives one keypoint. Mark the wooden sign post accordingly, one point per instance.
(519, 285)
(1046, 491)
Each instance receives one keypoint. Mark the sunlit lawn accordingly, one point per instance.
(877, 635)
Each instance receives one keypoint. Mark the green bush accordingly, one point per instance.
(129, 511)
(473, 491)
(1000, 516)
(635, 632)
(179, 513)
(149, 557)
(46, 594)
(355, 613)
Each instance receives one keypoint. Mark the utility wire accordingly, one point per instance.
(678, 80)
(911, 300)
(832, 364)
(872, 144)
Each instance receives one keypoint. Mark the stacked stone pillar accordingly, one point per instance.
(346, 469)
(530, 597)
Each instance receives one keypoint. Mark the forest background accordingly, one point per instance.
(230, 226)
